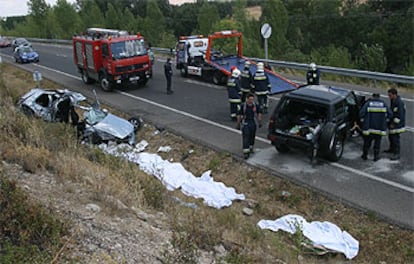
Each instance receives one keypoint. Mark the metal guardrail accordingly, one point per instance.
(291, 65)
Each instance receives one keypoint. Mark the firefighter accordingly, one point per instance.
(312, 76)
(261, 86)
(374, 117)
(233, 90)
(246, 81)
(248, 112)
(396, 125)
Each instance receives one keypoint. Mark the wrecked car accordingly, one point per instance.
(315, 118)
(51, 105)
(96, 126)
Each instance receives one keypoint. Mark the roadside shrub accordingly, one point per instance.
(28, 233)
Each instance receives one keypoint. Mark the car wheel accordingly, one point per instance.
(331, 142)
(136, 122)
(85, 78)
(105, 83)
(94, 139)
(282, 148)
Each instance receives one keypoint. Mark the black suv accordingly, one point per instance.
(316, 118)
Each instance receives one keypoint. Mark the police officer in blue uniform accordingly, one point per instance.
(246, 81)
(261, 86)
(374, 116)
(233, 91)
(396, 125)
(249, 110)
(312, 75)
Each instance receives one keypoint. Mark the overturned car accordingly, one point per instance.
(315, 118)
(96, 126)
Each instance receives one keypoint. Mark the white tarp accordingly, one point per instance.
(174, 176)
(323, 234)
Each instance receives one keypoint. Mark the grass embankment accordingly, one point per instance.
(39, 147)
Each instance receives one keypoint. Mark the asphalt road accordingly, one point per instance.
(200, 111)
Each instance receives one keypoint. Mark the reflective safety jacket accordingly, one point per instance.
(312, 77)
(374, 117)
(397, 121)
(233, 90)
(261, 83)
(246, 80)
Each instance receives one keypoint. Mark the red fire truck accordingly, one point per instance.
(112, 57)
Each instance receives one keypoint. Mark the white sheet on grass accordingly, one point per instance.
(174, 176)
(320, 233)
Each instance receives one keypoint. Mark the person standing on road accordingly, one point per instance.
(312, 76)
(396, 125)
(233, 91)
(168, 75)
(374, 116)
(246, 81)
(261, 86)
(248, 112)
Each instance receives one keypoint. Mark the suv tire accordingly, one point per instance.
(282, 148)
(331, 142)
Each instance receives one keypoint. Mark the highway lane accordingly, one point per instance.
(200, 111)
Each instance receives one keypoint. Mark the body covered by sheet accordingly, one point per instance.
(174, 176)
(324, 234)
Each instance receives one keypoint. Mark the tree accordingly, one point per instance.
(184, 19)
(207, 17)
(372, 58)
(91, 15)
(38, 10)
(154, 23)
(275, 14)
(129, 22)
(67, 19)
(112, 16)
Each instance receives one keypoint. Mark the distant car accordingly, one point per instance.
(97, 126)
(20, 42)
(316, 118)
(4, 42)
(25, 54)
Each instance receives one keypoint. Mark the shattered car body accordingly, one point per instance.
(97, 125)
(50, 105)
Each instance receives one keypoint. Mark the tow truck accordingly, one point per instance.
(196, 56)
(111, 57)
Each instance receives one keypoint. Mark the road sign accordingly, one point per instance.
(37, 77)
(266, 30)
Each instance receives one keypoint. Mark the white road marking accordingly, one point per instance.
(358, 172)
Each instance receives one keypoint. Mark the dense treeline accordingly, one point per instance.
(374, 35)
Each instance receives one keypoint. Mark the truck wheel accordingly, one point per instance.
(184, 71)
(85, 78)
(331, 142)
(104, 82)
(218, 77)
(143, 81)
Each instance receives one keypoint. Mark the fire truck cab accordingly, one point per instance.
(111, 57)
